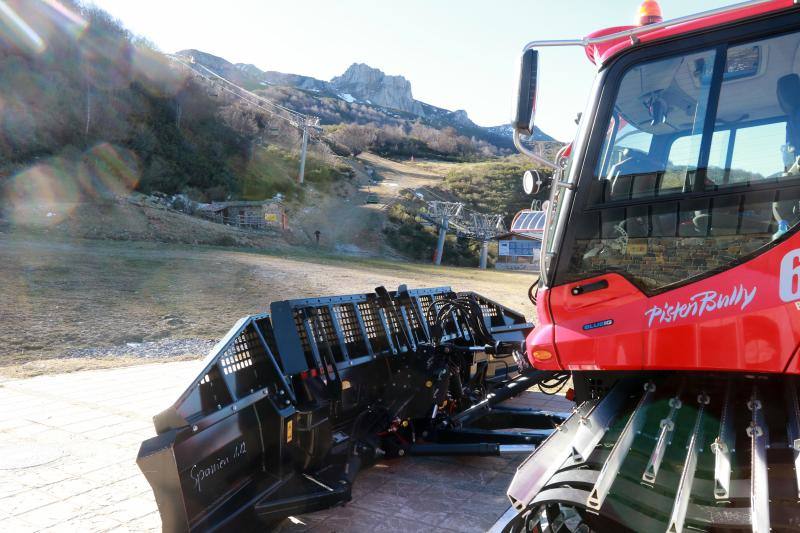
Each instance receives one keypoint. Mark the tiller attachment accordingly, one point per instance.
(290, 405)
(668, 452)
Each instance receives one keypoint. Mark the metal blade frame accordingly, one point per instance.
(759, 486)
(681, 505)
(667, 426)
(612, 465)
(723, 447)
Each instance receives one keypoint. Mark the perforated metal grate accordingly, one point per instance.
(327, 333)
(371, 321)
(412, 317)
(373, 326)
(212, 393)
(238, 355)
(394, 326)
(489, 310)
(269, 335)
(301, 331)
(426, 301)
(346, 316)
(414, 320)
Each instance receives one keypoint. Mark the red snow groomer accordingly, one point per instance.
(669, 295)
(670, 285)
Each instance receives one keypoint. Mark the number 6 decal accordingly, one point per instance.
(790, 276)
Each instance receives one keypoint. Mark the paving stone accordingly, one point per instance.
(27, 501)
(145, 524)
(466, 520)
(96, 522)
(71, 487)
(130, 509)
(18, 525)
(97, 420)
(10, 487)
(43, 476)
(50, 515)
(90, 503)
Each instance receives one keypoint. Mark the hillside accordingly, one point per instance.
(93, 115)
(97, 113)
(360, 95)
(93, 111)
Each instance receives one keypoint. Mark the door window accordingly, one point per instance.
(757, 153)
(673, 198)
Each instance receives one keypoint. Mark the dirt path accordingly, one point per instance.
(346, 221)
(397, 175)
(62, 296)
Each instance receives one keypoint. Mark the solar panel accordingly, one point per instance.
(528, 221)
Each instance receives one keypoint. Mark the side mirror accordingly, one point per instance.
(526, 95)
(533, 182)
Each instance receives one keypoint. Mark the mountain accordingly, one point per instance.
(505, 130)
(306, 83)
(371, 85)
(389, 98)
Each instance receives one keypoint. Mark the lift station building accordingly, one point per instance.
(519, 248)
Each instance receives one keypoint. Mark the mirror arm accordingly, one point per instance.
(536, 157)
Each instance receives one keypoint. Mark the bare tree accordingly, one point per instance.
(356, 138)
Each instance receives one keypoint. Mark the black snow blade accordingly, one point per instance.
(291, 404)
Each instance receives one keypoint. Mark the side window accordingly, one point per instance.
(632, 138)
(683, 157)
(688, 199)
(757, 154)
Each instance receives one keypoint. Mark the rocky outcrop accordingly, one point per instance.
(215, 63)
(506, 131)
(295, 80)
(370, 84)
(236, 73)
(361, 85)
(251, 70)
(460, 117)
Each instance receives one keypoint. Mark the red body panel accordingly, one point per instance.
(600, 53)
(746, 318)
(614, 346)
(542, 337)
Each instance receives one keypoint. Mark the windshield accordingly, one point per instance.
(698, 166)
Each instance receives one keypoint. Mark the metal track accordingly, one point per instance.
(680, 434)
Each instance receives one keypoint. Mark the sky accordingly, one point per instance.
(457, 55)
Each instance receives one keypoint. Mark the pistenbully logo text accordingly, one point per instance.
(700, 304)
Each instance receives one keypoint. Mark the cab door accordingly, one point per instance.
(598, 323)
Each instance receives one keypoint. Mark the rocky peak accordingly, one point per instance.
(215, 63)
(367, 83)
(250, 70)
(460, 116)
(294, 80)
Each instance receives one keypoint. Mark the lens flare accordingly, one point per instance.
(44, 194)
(156, 72)
(66, 19)
(108, 171)
(106, 60)
(15, 30)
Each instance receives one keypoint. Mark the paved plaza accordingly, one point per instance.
(68, 446)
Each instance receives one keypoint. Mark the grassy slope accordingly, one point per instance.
(73, 294)
(493, 186)
(274, 170)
